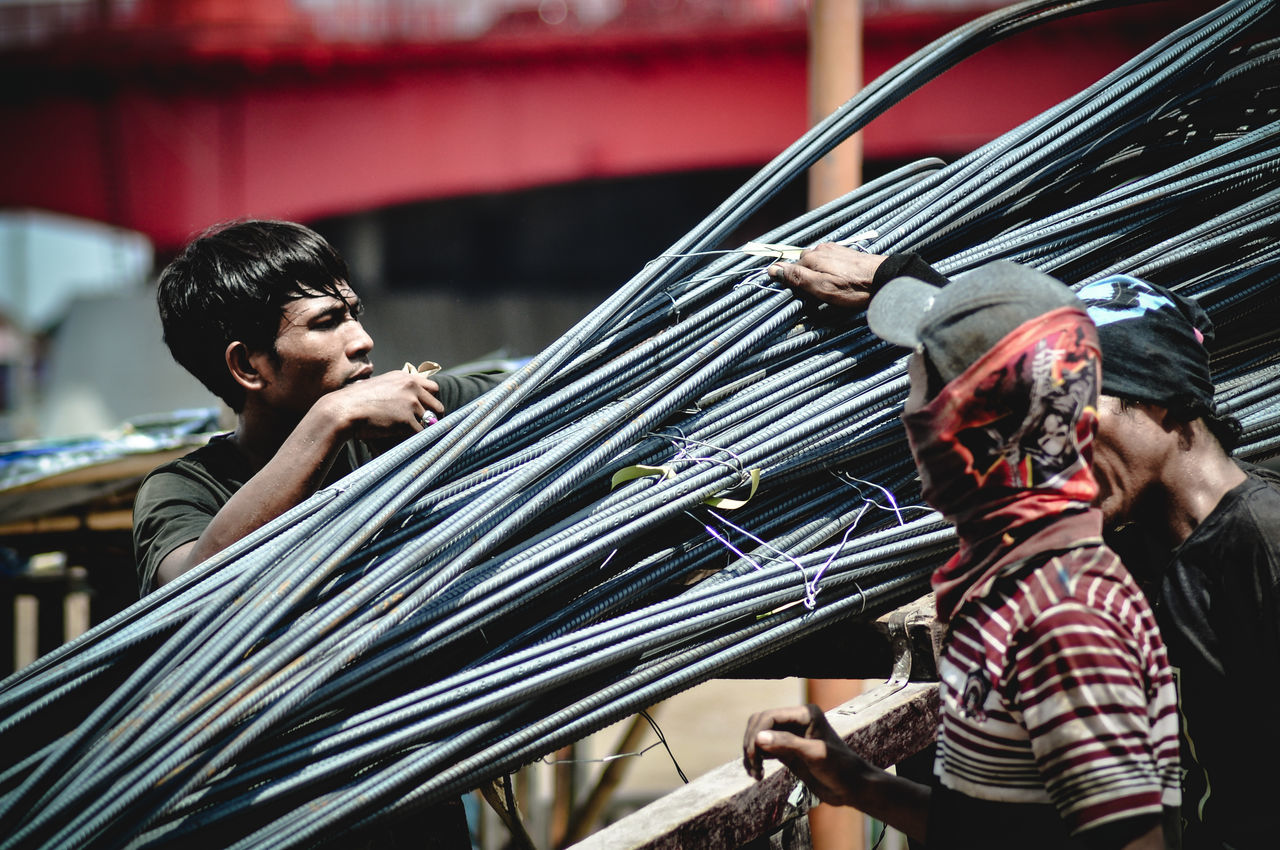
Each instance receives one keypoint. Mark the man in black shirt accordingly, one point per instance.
(1203, 531)
(263, 314)
(1199, 528)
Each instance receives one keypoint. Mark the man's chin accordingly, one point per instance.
(1112, 517)
(1107, 505)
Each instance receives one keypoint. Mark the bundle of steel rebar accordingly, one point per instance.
(703, 470)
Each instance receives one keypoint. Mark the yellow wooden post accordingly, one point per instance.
(835, 75)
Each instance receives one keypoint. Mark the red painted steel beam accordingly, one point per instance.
(169, 136)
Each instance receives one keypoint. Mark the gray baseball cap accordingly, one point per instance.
(957, 324)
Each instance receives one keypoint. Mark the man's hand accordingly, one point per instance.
(832, 273)
(391, 406)
(801, 738)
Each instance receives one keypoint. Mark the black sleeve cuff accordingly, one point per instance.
(906, 265)
(457, 390)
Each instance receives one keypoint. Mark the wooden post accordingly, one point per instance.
(835, 827)
(26, 624)
(564, 793)
(586, 815)
(835, 75)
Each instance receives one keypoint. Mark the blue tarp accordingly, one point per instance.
(27, 466)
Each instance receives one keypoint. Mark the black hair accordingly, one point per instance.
(1224, 427)
(230, 284)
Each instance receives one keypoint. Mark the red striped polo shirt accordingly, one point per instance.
(1056, 690)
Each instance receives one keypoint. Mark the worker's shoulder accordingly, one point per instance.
(1251, 509)
(1242, 533)
(459, 387)
(215, 465)
(1264, 475)
(1087, 582)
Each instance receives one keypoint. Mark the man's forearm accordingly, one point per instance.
(891, 799)
(289, 478)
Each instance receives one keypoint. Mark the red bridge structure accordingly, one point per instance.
(167, 115)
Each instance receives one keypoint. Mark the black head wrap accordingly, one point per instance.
(1153, 342)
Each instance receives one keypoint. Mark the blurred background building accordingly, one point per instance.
(489, 168)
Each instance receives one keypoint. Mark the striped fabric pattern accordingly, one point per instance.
(1056, 689)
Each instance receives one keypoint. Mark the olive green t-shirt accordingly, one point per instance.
(178, 500)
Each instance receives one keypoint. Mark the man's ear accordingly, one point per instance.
(244, 367)
(1173, 424)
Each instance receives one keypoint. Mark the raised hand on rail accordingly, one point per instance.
(831, 273)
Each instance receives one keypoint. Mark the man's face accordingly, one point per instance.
(1126, 457)
(918, 375)
(320, 347)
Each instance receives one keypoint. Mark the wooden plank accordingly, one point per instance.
(120, 519)
(83, 488)
(125, 468)
(725, 808)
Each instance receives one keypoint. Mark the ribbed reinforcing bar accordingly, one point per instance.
(481, 595)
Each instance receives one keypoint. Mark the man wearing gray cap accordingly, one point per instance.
(1058, 721)
(1199, 529)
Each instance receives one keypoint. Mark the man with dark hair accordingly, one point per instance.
(1198, 528)
(1203, 531)
(262, 312)
(1058, 722)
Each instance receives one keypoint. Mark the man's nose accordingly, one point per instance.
(360, 342)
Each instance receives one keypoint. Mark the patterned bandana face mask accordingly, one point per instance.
(1008, 442)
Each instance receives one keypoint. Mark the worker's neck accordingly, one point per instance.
(260, 433)
(1195, 480)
